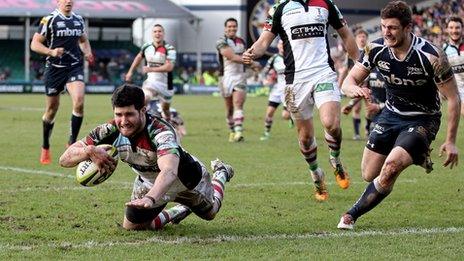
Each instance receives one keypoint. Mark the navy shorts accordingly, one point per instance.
(412, 133)
(56, 78)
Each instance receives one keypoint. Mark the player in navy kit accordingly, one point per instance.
(62, 38)
(414, 71)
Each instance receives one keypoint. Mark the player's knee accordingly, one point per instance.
(208, 216)
(390, 172)
(331, 125)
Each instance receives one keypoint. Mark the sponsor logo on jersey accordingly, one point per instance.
(392, 79)
(77, 23)
(414, 71)
(60, 24)
(69, 32)
(307, 31)
(384, 65)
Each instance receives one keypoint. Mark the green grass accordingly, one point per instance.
(268, 212)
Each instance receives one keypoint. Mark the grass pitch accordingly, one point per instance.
(268, 212)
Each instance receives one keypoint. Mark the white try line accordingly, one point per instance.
(237, 238)
(125, 184)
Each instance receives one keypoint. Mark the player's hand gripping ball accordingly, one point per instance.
(87, 173)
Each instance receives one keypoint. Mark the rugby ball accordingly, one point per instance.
(87, 173)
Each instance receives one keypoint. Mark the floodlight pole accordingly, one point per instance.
(27, 51)
(197, 36)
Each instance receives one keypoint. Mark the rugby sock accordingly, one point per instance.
(218, 181)
(356, 124)
(334, 144)
(230, 123)
(368, 126)
(47, 132)
(267, 124)
(168, 215)
(238, 120)
(371, 197)
(310, 155)
(76, 122)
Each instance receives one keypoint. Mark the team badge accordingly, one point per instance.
(257, 20)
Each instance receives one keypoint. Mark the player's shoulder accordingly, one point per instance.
(374, 47)
(46, 19)
(222, 42)
(146, 45)
(426, 47)
(169, 47)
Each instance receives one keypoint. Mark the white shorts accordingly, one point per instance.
(159, 89)
(229, 83)
(200, 198)
(277, 93)
(300, 98)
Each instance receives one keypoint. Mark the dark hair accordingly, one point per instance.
(399, 10)
(456, 19)
(127, 95)
(360, 31)
(158, 25)
(231, 19)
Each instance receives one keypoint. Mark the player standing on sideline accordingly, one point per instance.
(63, 39)
(354, 105)
(310, 76)
(414, 71)
(454, 49)
(232, 80)
(160, 58)
(276, 97)
(165, 171)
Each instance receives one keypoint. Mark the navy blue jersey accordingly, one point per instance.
(63, 31)
(411, 83)
(377, 86)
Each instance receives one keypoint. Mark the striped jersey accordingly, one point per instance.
(302, 26)
(63, 31)
(276, 62)
(411, 83)
(157, 56)
(227, 67)
(456, 59)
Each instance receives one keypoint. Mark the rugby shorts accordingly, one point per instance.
(277, 93)
(301, 97)
(200, 199)
(412, 133)
(159, 90)
(230, 83)
(56, 78)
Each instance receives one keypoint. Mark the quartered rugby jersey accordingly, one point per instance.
(276, 62)
(456, 59)
(227, 67)
(411, 84)
(302, 26)
(157, 56)
(142, 152)
(63, 31)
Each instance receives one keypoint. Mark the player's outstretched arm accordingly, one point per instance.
(258, 48)
(168, 66)
(228, 52)
(351, 84)
(79, 151)
(168, 165)
(450, 91)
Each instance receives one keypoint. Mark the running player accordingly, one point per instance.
(232, 78)
(310, 76)
(63, 39)
(454, 49)
(414, 71)
(165, 171)
(276, 97)
(160, 58)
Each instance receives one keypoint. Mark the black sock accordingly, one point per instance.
(368, 200)
(76, 122)
(356, 123)
(47, 132)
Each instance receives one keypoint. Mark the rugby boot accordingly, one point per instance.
(219, 165)
(265, 136)
(231, 136)
(45, 157)
(320, 191)
(238, 136)
(341, 176)
(346, 222)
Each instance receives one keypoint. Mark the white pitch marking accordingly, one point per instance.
(236, 238)
(239, 185)
(21, 108)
